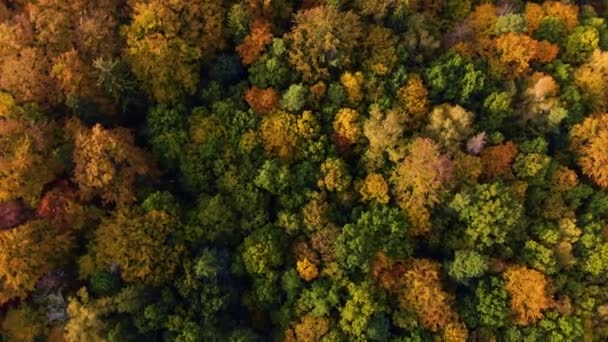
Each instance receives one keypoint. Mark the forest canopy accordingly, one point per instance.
(301, 171)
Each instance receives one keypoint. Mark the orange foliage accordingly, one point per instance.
(26, 253)
(455, 332)
(419, 180)
(262, 101)
(564, 179)
(567, 13)
(26, 76)
(59, 205)
(318, 90)
(483, 18)
(589, 140)
(26, 160)
(497, 159)
(308, 329)
(423, 294)
(253, 45)
(515, 51)
(533, 14)
(307, 270)
(528, 290)
(546, 52)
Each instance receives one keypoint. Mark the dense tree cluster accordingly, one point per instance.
(315, 170)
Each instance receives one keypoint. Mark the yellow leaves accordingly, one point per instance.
(307, 270)
(279, 134)
(107, 163)
(353, 84)
(413, 97)
(374, 188)
(381, 47)
(567, 13)
(528, 290)
(346, 124)
(423, 294)
(589, 140)
(592, 78)
(33, 249)
(483, 19)
(143, 252)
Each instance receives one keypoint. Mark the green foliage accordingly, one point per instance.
(580, 44)
(467, 265)
(489, 214)
(453, 78)
(380, 229)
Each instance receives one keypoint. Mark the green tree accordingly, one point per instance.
(490, 214)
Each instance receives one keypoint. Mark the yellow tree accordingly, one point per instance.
(27, 252)
(166, 41)
(26, 162)
(107, 163)
(419, 180)
(529, 293)
(322, 38)
(143, 252)
(589, 140)
(279, 134)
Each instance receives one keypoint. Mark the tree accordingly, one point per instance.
(144, 252)
(323, 39)
(261, 251)
(255, 42)
(167, 41)
(374, 188)
(27, 163)
(107, 163)
(413, 97)
(579, 45)
(279, 135)
(497, 159)
(262, 101)
(454, 78)
(489, 212)
(450, 125)
(529, 293)
(28, 252)
(419, 181)
(467, 264)
(424, 295)
(27, 76)
(515, 52)
(591, 78)
(589, 140)
(380, 229)
(346, 124)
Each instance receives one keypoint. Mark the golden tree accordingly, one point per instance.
(27, 252)
(143, 252)
(589, 140)
(323, 37)
(26, 162)
(419, 180)
(279, 134)
(107, 163)
(529, 293)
